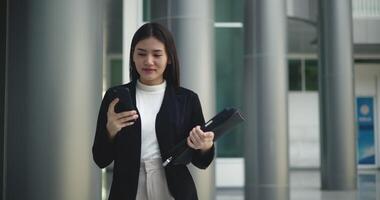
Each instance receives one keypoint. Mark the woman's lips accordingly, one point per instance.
(148, 70)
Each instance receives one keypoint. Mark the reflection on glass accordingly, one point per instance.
(311, 75)
(229, 84)
(116, 72)
(229, 11)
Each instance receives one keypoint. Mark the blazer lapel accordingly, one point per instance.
(137, 126)
(131, 140)
(166, 120)
(132, 90)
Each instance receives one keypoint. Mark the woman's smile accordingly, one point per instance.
(149, 70)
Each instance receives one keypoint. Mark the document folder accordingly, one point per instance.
(219, 124)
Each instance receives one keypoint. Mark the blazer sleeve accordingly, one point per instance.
(200, 160)
(103, 147)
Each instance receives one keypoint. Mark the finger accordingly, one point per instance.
(126, 114)
(209, 135)
(190, 143)
(127, 119)
(127, 124)
(111, 107)
(193, 140)
(200, 133)
(196, 138)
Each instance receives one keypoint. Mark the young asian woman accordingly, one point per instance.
(166, 113)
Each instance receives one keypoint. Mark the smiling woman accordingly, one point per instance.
(153, 45)
(138, 140)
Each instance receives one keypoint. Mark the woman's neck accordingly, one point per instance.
(152, 83)
(151, 88)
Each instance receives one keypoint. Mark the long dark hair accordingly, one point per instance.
(158, 31)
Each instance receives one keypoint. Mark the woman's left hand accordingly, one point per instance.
(200, 140)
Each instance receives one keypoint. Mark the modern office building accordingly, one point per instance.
(305, 73)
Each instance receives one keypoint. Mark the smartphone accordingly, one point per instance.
(125, 99)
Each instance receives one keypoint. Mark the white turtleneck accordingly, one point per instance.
(148, 101)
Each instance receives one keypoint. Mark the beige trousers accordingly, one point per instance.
(152, 181)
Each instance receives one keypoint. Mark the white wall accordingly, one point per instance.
(229, 172)
(303, 130)
(366, 76)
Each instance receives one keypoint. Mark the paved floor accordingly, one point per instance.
(305, 185)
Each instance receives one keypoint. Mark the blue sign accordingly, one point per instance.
(366, 131)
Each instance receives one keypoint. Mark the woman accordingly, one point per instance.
(137, 140)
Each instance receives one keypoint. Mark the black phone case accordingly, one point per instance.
(125, 99)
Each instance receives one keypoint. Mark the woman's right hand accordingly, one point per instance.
(117, 121)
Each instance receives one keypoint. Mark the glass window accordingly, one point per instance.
(225, 10)
(229, 84)
(295, 75)
(229, 10)
(146, 10)
(311, 75)
(367, 61)
(116, 72)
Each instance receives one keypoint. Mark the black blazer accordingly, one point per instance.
(179, 113)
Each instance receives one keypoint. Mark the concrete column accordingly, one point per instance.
(192, 24)
(132, 17)
(338, 155)
(266, 133)
(53, 97)
(3, 45)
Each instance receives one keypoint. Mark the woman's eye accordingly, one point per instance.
(141, 54)
(157, 55)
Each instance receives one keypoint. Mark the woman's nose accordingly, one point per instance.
(149, 60)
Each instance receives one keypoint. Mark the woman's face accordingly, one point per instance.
(150, 59)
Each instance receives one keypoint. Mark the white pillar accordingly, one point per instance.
(132, 19)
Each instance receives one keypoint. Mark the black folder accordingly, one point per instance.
(219, 124)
